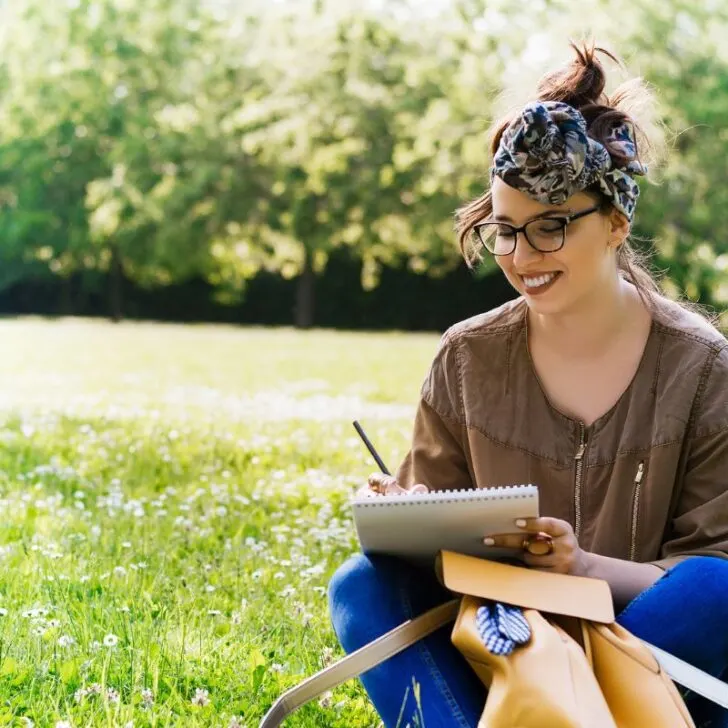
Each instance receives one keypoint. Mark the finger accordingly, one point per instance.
(394, 488)
(366, 491)
(552, 526)
(419, 488)
(386, 484)
(379, 482)
(511, 540)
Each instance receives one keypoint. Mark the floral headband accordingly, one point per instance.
(547, 153)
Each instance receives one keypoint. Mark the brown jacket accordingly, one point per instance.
(648, 481)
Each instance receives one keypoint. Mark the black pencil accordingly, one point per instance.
(371, 449)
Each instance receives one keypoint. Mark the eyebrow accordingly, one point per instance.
(546, 213)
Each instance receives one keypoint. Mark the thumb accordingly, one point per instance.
(419, 488)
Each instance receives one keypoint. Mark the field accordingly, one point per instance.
(173, 503)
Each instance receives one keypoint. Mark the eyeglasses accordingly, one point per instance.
(545, 234)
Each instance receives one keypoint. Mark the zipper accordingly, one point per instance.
(635, 509)
(579, 459)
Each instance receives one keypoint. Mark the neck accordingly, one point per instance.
(589, 328)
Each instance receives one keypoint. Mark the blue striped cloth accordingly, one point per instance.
(502, 627)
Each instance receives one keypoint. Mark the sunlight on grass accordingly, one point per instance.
(173, 503)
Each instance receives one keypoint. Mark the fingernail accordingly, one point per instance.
(489, 541)
(521, 522)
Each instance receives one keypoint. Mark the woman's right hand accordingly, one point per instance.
(380, 484)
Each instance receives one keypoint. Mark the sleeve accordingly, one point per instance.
(437, 455)
(699, 524)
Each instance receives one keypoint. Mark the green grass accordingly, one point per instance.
(180, 491)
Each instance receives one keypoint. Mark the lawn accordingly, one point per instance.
(173, 503)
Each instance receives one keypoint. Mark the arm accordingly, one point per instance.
(626, 579)
(437, 456)
(699, 514)
(699, 522)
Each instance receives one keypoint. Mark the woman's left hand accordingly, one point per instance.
(567, 556)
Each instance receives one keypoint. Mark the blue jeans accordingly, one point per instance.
(684, 612)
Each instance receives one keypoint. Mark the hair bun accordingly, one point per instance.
(579, 83)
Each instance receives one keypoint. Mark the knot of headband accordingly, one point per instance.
(547, 153)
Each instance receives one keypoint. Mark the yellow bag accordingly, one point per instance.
(579, 669)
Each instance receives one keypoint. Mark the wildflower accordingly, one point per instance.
(147, 697)
(202, 697)
(327, 656)
(113, 696)
(65, 640)
(119, 571)
(214, 612)
(4, 613)
(63, 724)
(236, 722)
(325, 700)
(111, 640)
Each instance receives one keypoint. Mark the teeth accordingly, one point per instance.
(539, 281)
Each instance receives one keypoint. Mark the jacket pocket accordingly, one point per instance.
(634, 520)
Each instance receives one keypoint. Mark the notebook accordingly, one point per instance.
(416, 527)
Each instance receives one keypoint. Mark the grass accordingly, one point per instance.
(173, 503)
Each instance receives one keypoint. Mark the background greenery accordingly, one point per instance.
(150, 144)
(172, 506)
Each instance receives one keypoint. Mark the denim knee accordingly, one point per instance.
(363, 600)
(696, 587)
(705, 578)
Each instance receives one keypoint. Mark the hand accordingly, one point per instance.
(380, 484)
(567, 557)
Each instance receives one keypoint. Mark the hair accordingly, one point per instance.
(581, 84)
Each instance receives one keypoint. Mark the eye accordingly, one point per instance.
(548, 227)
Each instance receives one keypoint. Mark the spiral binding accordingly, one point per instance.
(525, 490)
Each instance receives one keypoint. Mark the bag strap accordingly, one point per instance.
(413, 630)
(361, 660)
(691, 677)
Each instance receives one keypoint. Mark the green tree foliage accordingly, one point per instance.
(168, 139)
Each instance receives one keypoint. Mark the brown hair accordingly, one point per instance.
(581, 84)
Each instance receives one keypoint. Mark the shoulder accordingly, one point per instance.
(691, 328)
(693, 344)
(442, 388)
(502, 320)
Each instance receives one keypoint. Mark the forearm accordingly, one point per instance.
(626, 579)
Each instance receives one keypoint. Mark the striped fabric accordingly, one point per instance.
(502, 627)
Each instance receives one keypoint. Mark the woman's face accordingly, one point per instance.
(557, 282)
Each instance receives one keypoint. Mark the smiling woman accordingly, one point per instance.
(610, 398)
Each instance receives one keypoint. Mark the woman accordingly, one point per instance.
(608, 396)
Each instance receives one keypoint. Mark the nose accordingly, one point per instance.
(523, 252)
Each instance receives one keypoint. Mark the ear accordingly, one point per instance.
(619, 227)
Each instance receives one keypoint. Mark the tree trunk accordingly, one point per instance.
(116, 275)
(305, 294)
(65, 297)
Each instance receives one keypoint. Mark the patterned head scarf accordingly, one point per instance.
(547, 153)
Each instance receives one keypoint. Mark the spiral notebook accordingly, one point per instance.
(416, 527)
